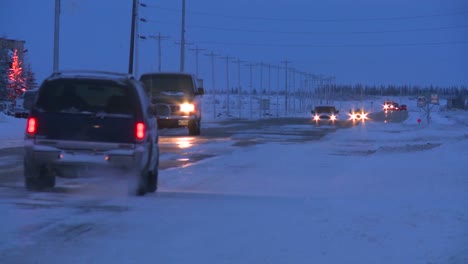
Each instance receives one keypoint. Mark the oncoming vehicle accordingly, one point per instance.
(89, 120)
(390, 106)
(325, 114)
(358, 115)
(177, 97)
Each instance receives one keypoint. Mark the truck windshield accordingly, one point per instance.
(325, 109)
(167, 83)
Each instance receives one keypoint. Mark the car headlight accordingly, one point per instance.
(187, 108)
(316, 117)
(333, 118)
(352, 116)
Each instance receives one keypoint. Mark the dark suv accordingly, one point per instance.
(177, 97)
(85, 120)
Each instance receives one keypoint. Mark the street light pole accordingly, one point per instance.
(132, 38)
(56, 36)
(182, 39)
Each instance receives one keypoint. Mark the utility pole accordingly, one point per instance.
(269, 81)
(159, 38)
(239, 101)
(269, 90)
(197, 50)
(261, 88)
(182, 39)
(277, 89)
(251, 87)
(227, 58)
(56, 36)
(183, 44)
(212, 55)
(132, 37)
(286, 62)
(293, 80)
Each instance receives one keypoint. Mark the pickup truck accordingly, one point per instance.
(177, 99)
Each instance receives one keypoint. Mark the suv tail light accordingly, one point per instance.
(140, 131)
(31, 126)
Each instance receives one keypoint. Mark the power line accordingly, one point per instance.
(329, 32)
(197, 50)
(158, 37)
(245, 44)
(320, 20)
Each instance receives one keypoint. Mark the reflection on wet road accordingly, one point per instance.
(178, 150)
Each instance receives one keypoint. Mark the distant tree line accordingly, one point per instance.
(355, 91)
(395, 90)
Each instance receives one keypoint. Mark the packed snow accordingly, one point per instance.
(373, 193)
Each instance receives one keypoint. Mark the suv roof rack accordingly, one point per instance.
(91, 73)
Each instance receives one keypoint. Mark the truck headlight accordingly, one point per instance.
(187, 108)
(364, 116)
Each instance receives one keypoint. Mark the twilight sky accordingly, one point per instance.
(419, 42)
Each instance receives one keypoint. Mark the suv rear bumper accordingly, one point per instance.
(66, 162)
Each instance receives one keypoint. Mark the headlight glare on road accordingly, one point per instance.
(187, 108)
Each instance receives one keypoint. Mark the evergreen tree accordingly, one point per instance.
(4, 66)
(30, 78)
(15, 77)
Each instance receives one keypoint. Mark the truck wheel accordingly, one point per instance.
(194, 127)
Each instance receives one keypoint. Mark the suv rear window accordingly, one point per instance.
(86, 96)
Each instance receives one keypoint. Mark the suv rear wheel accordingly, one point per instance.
(142, 185)
(152, 181)
(38, 178)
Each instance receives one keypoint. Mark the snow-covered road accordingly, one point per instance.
(373, 193)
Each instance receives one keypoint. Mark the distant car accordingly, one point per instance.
(403, 108)
(177, 97)
(390, 106)
(89, 120)
(23, 103)
(6, 107)
(325, 114)
(358, 115)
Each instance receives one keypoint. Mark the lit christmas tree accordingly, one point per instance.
(15, 78)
